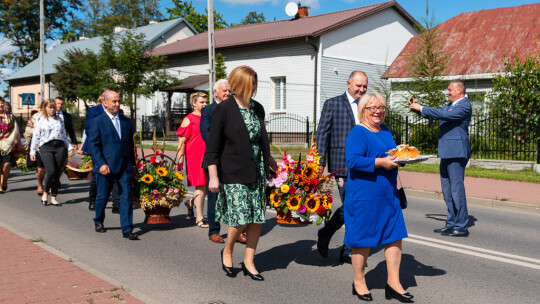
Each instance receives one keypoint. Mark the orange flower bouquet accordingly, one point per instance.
(300, 191)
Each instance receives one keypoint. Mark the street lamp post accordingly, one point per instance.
(211, 52)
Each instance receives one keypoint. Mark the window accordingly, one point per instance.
(279, 93)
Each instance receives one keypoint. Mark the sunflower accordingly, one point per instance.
(275, 199)
(325, 202)
(293, 202)
(179, 175)
(161, 171)
(147, 178)
(311, 171)
(312, 203)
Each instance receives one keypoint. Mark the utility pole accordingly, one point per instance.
(211, 52)
(41, 51)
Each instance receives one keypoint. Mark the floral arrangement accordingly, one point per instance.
(300, 188)
(83, 163)
(158, 180)
(20, 162)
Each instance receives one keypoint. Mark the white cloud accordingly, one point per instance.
(5, 46)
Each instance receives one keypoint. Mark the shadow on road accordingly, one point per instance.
(178, 221)
(442, 218)
(410, 268)
(280, 257)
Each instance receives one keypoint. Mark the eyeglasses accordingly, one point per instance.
(374, 109)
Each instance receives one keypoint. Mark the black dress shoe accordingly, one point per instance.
(115, 210)
(456, 233)
(322, 244)
(228, 270)
(390, 293)
(100, 228)
(443, 229)
(92, 206)
(363, 297)
(256, 277)
(131, 236)
(343, 257)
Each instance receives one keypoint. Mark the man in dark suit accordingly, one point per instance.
(454, 151)
(222, 91)
(92, 113)
(113, 151)
(338, 117)
(67, 119)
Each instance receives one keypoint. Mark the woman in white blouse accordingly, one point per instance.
(51, 139)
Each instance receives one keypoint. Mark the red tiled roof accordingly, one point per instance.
(478, 41)
(312, 26)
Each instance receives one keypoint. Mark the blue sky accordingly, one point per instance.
(234, 10)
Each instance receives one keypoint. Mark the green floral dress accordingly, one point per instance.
(241, 204)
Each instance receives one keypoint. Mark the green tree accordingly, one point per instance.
(19, 23)
(427, 64)
(127, 59)
(221, 69)
(99, 20)
(517, 90)
(186, 10)
(80, 76)
(252, 18)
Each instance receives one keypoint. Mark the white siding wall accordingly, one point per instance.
(376, 39)
(294, 60)
(335, 73)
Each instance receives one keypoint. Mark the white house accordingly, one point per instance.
(302, 62)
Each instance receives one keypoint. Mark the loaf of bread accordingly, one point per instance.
(404, 151)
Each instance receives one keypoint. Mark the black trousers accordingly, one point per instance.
(53, 156)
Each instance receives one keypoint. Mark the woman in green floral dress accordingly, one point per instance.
(238, 156)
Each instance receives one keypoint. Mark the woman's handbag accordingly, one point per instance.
(402, 197)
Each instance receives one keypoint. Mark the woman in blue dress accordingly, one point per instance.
(372, 210)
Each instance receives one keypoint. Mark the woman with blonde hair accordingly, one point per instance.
(238, 157)
(191, 148)
(28, 134)
(9, 138)
(51, 139)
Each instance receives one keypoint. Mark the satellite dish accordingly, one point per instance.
(291, 9)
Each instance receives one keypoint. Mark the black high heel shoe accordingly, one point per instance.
(44, 202)
(256, 277)
(363, 297)
(390, 293)
(228, 270)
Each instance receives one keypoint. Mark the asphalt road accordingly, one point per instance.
(175, 263)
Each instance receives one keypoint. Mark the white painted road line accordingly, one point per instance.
(475, 251)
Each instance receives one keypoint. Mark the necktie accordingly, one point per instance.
(356, 102)
(117, 126)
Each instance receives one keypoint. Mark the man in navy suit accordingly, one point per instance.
(338, 117)
(454, 151)
(113, 151)
(92, 113)
(222, 91)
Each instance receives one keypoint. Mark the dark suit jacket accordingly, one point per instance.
(228, 144)
(206, 120)
(106, 148)
(337, 120)
(92, 113)
(453, 128)
(68, 125)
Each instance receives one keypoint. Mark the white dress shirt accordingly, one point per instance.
(354, 107)
(112, 120)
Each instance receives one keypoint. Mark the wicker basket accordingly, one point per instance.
(77, 174)
(287, 219)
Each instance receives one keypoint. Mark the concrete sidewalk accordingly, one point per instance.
(509, 195)
(31, 273)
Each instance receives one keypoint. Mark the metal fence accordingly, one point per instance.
(494, 136)
(289, 128)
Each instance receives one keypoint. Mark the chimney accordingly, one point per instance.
(118, 29)
(83, 38)
(302, 12)
(153, 22)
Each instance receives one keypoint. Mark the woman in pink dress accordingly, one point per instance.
(191, 151)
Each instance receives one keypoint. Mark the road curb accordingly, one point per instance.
(484, 202)
(139, 295)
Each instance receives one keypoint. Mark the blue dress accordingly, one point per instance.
(372, 211)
